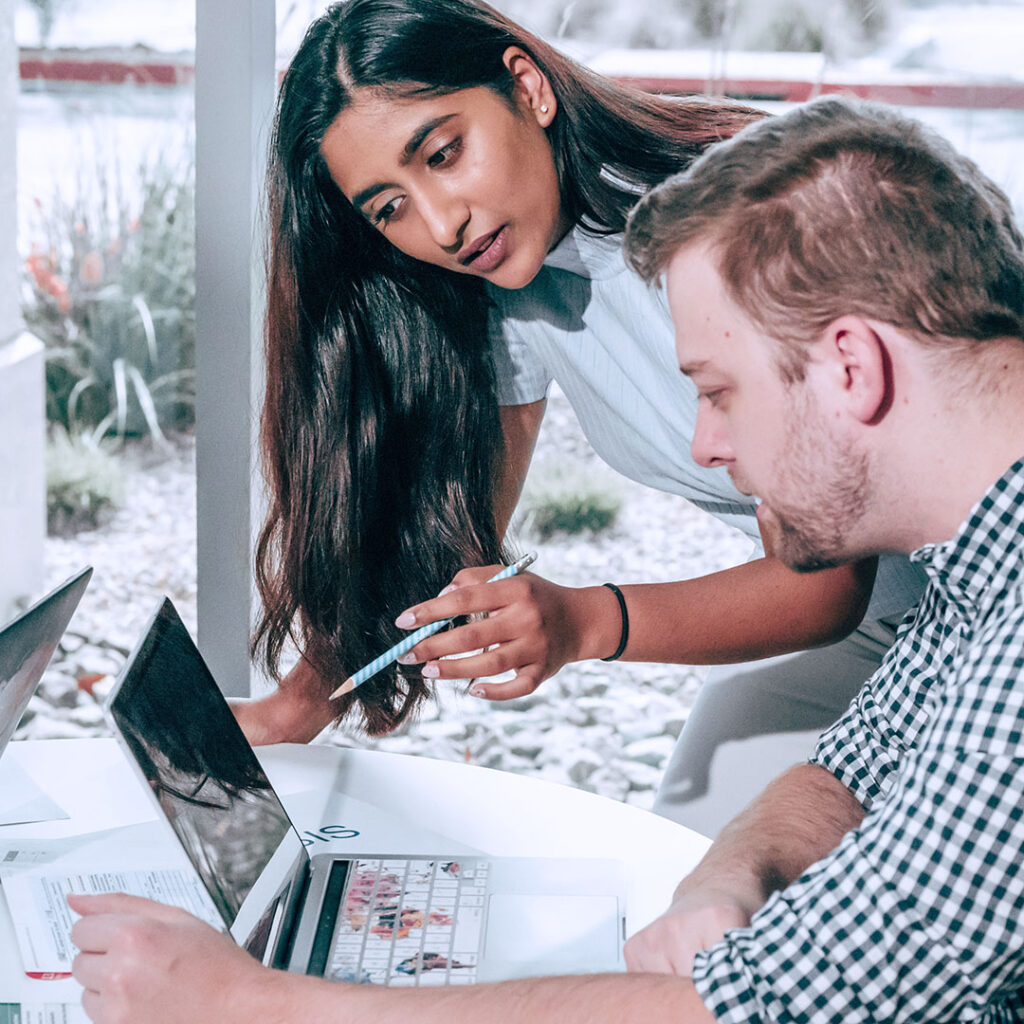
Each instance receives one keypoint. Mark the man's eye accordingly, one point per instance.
(445, 154)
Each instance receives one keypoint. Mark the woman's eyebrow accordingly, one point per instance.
(409, 150)
(419, 136)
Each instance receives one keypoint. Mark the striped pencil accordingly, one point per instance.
(394, 653)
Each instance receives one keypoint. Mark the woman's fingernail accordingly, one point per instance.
(430, 670)
(405, 620)
(447, 590)
(477, 691)
(407, 659)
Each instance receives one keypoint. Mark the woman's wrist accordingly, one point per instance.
(599, 623)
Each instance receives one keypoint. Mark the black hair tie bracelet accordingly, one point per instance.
(624, 636)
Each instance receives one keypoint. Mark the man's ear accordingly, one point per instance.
(859, 368)
(533, 91)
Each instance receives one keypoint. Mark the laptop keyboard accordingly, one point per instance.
(410, 923)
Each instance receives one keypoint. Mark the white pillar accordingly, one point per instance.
(22, 398)
(234, 106)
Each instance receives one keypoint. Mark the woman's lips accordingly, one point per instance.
(491, 253)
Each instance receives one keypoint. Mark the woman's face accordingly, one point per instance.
(461, 181)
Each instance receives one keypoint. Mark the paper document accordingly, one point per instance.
(42, 1013)
(37, 899)
(22, 801)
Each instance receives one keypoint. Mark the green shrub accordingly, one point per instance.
(559, 499)
(84, 483)
(110, 290)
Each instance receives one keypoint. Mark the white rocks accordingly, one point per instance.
(654, 751)
(607, 728)
(641, 776)
(581, 764)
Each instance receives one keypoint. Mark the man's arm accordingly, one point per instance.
(143, 961)
(800, 818)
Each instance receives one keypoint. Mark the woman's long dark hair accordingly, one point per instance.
(380, 433)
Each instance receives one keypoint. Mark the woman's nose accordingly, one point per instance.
(446, 217)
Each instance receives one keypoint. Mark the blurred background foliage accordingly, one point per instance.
(562, 497)
(110, 290)
(794, 25)
(84, 483)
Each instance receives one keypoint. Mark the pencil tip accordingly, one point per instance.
(346, 687)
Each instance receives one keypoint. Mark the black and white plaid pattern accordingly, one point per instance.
(918, 915)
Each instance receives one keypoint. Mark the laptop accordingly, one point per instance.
(385, 918)
(26, 645)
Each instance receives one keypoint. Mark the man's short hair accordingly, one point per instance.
(842, 207)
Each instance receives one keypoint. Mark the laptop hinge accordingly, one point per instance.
(296, 900)
(329, 908)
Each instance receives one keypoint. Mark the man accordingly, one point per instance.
(849, 299)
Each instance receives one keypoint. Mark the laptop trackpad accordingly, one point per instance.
(548, 934)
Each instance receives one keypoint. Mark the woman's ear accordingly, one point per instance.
(531, 88)
(858, 367)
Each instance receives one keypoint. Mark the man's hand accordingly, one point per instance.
(146, 963)
(696, 920)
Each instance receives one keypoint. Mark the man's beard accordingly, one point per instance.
(834, 482)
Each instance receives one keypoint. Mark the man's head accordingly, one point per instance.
(805, 259)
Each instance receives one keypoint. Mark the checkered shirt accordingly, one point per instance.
(918, 914)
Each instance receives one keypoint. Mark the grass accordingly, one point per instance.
(560, 498)
(84, 483)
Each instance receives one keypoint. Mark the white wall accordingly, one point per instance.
(234, 106)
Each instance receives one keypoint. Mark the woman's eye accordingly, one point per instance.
(386, 212)
(712, 397)
(445, 154)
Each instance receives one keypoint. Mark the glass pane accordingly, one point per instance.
(106, 233)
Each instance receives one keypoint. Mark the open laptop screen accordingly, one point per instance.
(202, 771)
(28, 643)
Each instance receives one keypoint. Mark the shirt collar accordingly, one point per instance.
(988, 549)
(587, 255)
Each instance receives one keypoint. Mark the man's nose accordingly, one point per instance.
(710, 447)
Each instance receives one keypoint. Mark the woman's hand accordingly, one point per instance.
(144, 961)
(531, 627)
(294, 713)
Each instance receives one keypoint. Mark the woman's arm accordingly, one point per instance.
(751, 611)
(520, 425)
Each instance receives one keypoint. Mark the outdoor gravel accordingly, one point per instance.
(607, 728)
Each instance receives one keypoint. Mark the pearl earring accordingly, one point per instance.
(543, 108)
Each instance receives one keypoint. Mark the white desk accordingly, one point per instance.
(491, 812)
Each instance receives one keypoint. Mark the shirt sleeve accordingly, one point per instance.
(916, 915)
(864, 748)
(520, 373)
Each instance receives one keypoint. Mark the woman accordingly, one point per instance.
(439, 177)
